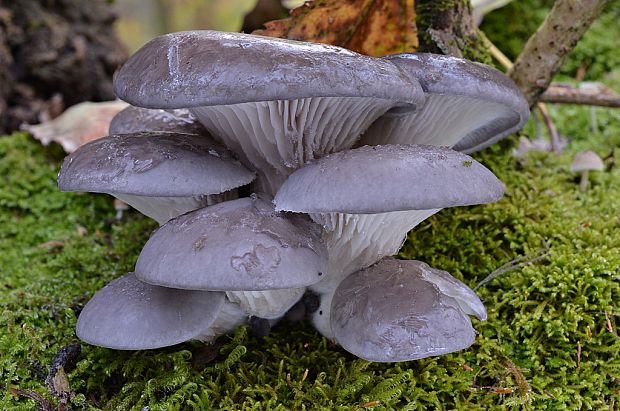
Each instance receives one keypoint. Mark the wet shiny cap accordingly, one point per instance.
(395, 311)
(207, 68)
(379, 179)
(236, 245)
(153, 164)
(138, 119)
(128, 314)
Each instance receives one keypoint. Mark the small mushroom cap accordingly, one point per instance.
(153, 164)
(379, 179)
(138, 119)
(470, 105)
(206, 68)
(586, 161)
(392, 312)
(236, 245)
(128, 314)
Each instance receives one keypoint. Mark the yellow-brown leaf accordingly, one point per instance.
(371, 27)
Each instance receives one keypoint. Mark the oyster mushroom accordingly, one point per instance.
(468, 105)
(128, 314)
(390, 189)
(403, 310)
(235, 245)
(262, 259)
(160, 174)
(275, 103)
(293, 111)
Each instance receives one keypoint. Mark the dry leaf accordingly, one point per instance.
(371, 27)
(78, 125)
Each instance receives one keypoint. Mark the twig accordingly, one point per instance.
(592, 96)
(513, 265)
(546, 50)
(554, 137)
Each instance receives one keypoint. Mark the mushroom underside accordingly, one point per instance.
(269, 304)
(445, 120)
(356, 241)
(163, 209)
(277, 137)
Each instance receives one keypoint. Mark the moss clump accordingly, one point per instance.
(445, 15)
(57, 249)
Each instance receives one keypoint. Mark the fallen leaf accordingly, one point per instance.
(78, 125)
(371, 27)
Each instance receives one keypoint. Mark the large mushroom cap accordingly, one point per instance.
(468, 105)
(236, 245)
(275, 103)
(378, 179)
(152, 164)
(205, 68)
(128, 314)
(138, 119)
(392, 311)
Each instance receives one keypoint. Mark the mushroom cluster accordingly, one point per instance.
(282, 172)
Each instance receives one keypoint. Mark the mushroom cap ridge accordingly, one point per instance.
(379, 179)
(206, 68)
(128, 314)
(153, 164)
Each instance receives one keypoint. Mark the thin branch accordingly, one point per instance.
(556, 146)
(592, 96)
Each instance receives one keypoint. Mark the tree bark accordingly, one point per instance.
(54, 53)
(547, 49)
(447, 27)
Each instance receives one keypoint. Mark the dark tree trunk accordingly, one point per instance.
(447, 27)
(54, 53)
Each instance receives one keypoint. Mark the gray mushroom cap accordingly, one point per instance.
(477, 103)
(128, 314)
(138, 119)
(152, 164)
(206, 68)
(586, 161)
(236, 245)
(392, 311)
(379, 179)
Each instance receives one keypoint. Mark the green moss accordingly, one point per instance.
(57, 249)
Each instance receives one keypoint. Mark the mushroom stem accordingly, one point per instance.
(583, 184)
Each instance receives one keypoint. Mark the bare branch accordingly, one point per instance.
(592, 96)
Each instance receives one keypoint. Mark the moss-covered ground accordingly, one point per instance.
(551, 340)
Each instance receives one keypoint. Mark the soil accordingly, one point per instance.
(53, 54)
